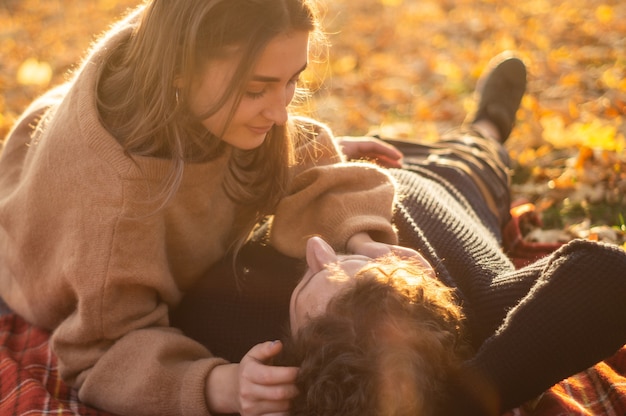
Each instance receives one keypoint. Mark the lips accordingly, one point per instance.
(260, 130)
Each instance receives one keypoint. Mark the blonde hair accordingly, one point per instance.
(173, 39)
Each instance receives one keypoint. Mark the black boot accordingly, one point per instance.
(501, 88)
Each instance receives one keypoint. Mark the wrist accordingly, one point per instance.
(221, 389)
(357, 240)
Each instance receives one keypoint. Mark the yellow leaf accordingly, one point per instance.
(392, 3)
(604, 13)
(33, 72)
(527, 157)
(612, 78)
(554, 131)
(573, 109)
(450, 70)
(595, 134)
(570, 80)
(345, 64)
(507, 42)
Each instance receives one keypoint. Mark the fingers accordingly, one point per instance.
(265, 351)
(255, 402)
(277, 396)
(374, 145)
(404, 252)
(256, 370)
(371, 148)
(374, 249)
(410, 253)
(388, 162)
(261, 399)
(265, 389)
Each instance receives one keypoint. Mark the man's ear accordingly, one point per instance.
(319, 253)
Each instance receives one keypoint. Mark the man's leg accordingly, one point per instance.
(473, 158)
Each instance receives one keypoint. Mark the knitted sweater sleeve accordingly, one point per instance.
(116, 347)
(531, 327)
(572, 317)
(332, 199)
(148, 371)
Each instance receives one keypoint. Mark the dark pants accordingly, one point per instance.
(478, 167)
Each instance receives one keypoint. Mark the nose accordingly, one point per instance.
(276, 110)
(319, 253)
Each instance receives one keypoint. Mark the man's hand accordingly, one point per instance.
(370, 148)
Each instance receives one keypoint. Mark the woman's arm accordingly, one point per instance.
(332, 199)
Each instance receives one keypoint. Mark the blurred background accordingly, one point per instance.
(408, 68)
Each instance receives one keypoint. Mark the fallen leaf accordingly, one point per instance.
(33, 72)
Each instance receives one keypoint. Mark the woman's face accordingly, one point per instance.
(266, 97)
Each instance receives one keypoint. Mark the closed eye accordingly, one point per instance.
(255, 95)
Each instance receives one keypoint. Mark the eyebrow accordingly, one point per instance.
(263, 78)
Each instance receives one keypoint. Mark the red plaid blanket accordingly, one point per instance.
(601, 390)
(29, 381)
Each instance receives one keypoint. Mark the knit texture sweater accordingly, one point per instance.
(530, 327)
(85, 253)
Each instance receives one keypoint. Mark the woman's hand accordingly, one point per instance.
(370, 148)
(363, 244)
(252, 387)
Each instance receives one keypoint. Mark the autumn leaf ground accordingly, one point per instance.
(408, 68)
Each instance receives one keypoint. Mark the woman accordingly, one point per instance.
(121, 188)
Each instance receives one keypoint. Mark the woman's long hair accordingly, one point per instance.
(141, 106)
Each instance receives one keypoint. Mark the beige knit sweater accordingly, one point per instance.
(83, 254)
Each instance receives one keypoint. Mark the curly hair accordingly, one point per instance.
(384, 346)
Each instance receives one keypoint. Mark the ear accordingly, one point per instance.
(319, 253)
